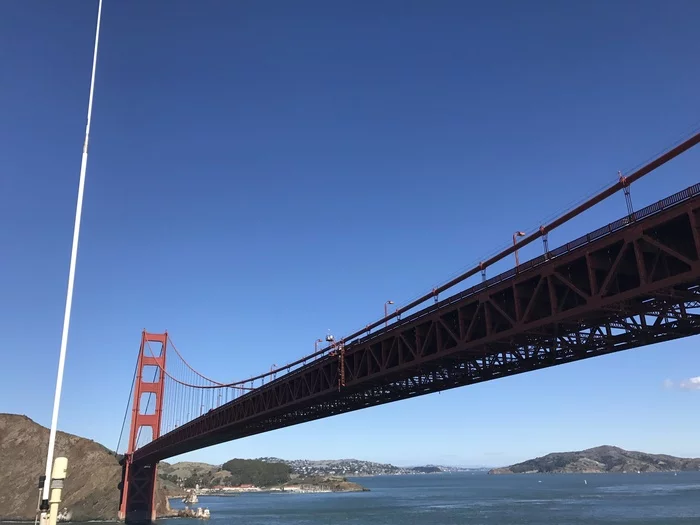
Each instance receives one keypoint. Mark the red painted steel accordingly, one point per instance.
(542, 232)
(630, 283)
(545, 229)
(138, 485)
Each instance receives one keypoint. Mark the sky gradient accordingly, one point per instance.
(262, 172)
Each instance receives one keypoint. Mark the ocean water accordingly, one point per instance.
(475, 499)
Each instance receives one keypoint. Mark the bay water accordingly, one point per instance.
(474, 499)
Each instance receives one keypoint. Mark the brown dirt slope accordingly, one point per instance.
(91, 491)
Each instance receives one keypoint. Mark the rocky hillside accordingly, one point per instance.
(599, 460)
(91, 491)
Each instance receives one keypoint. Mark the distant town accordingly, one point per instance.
(357, 468)
(247, 475)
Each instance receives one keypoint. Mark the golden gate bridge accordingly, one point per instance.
(629, 283)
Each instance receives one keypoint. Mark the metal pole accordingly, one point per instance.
(386, 313)
(71, 280)
(515, 242)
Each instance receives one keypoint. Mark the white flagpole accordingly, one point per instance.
(71, 280)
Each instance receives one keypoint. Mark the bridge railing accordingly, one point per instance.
(647, 211)
(298, 366)
(590, 237)
(672, 200)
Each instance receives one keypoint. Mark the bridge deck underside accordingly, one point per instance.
(636, 286)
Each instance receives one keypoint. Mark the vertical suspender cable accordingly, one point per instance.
(71, 279)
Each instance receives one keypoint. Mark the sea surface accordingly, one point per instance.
(474, 499)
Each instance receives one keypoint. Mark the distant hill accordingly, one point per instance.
(427, 469)
(91, 491)
(235, 472)
(189, 473)
(599, 460)
(256, 472)
(185, 469)
(355, 467)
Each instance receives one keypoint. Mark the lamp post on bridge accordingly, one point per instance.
(386, 313)
(331, 341)
(319, 340)
(515, 243)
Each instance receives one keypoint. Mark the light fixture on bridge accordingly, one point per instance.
(386, 313)
(515, 242)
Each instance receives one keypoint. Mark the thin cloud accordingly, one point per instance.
(690, 384)
(668, 384)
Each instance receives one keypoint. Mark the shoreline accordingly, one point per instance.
(233, 494)
(592, 473)
(327, 487)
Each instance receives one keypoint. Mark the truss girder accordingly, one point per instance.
(636, 286)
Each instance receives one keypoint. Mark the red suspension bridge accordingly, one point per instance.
(630, 283)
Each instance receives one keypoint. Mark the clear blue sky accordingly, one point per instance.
(261, 172)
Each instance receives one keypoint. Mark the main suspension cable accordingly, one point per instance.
(578, 207)
(128, 403)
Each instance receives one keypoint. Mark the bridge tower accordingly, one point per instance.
(139, 481)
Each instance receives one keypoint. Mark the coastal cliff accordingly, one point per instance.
(600, 460)
(91, 491)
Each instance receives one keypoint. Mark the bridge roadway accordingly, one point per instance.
(628, 284)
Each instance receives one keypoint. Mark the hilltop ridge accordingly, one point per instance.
(207, 475)
(605, 458)
(91, 490)
(356, 468)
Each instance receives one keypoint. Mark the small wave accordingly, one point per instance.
(648, 489)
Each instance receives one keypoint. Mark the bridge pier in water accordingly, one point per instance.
(138, 487)
(138, 493)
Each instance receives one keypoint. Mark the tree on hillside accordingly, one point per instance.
(190, 483)
(256, 472)
(170, 477)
